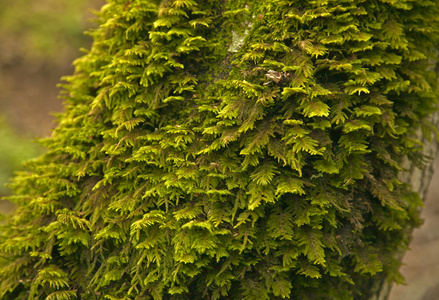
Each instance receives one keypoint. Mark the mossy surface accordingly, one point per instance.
(229, 150)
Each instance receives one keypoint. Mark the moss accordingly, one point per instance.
(184, 170)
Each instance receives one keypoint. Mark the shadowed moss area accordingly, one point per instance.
(229, 150)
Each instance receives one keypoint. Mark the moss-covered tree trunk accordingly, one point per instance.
(419, 179)
(230, 150)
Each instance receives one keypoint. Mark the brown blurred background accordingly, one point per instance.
(38, 42)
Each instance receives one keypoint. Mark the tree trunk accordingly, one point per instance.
(230, 150)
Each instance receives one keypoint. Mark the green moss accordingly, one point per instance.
(183, 169)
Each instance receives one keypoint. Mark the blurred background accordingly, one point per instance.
(39, 39)
(38, 42)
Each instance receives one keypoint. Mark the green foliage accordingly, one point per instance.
(222, 150)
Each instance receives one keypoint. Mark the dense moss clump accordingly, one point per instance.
(229, 150)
